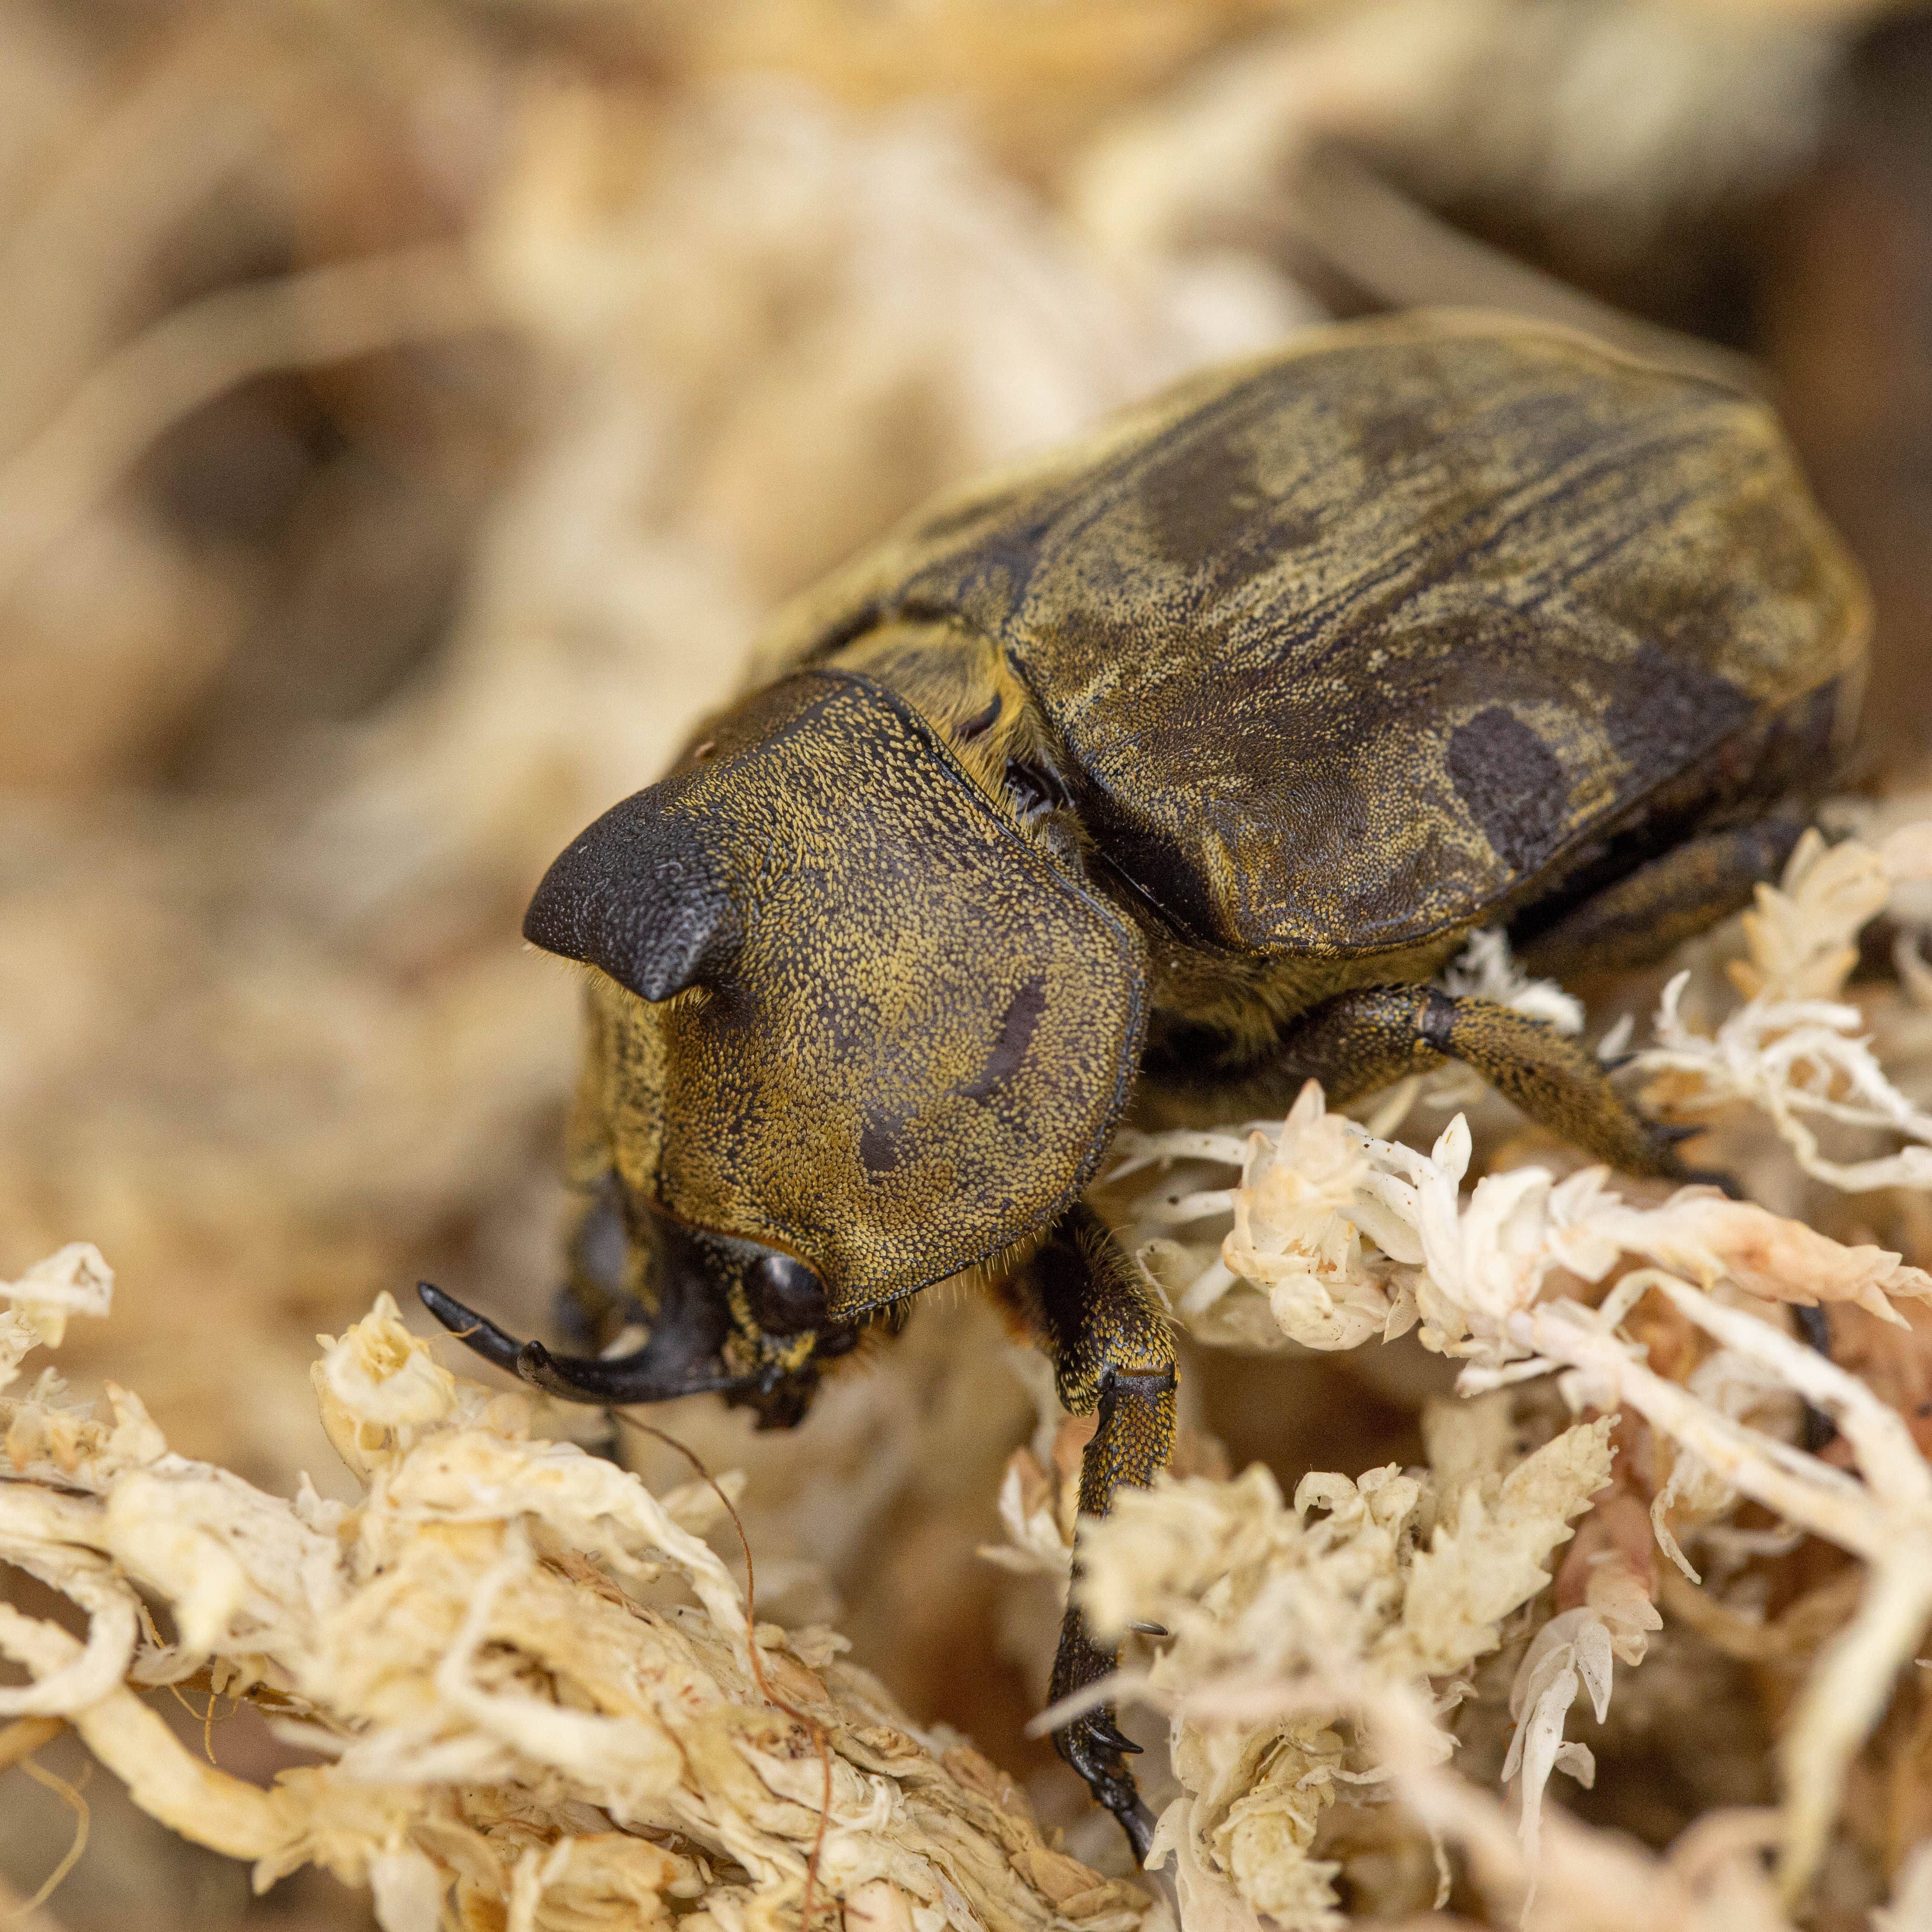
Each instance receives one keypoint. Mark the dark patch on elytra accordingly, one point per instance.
(1016, 1036)
(1511, 785)
(1155, 860)
(1206, 509)
(1187, 498)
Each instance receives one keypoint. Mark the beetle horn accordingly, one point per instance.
(635, 894)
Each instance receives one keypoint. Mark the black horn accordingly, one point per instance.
(636, 895)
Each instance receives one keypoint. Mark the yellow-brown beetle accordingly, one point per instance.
(1168, 770)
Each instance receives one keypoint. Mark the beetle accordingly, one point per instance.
(1165, 771)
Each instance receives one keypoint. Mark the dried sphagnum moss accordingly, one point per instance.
(1349, 1236)
(521, 1716)
(527, 1721)
(497, 1650)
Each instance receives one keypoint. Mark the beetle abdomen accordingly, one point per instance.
(1347, 646)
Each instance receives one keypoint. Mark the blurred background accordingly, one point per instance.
(408, 413)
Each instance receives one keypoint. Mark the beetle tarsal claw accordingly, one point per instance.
(1104, 1731)
(1094, 1744)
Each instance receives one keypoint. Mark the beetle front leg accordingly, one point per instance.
(1113, 1356)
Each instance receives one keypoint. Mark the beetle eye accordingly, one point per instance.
(1034, 788)
(786, 1297)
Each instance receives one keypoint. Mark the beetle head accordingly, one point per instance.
(851, 1031)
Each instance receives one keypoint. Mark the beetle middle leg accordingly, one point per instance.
(1359, 1041)
(1084, 1300)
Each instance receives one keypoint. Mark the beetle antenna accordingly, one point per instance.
(811, 1724)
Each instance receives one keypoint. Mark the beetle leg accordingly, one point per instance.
(1641, 918)
(1359, 1041)
(1113, 1355)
